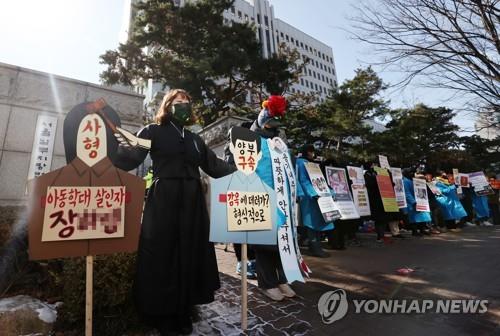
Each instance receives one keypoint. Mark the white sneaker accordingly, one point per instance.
(486, 223)
(286, 290)
(470, 224)
(274, 294)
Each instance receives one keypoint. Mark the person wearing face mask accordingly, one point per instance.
(176, 263)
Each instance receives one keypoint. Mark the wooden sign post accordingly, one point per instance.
(244, 293)
(88, 295)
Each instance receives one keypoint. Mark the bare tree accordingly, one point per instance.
(451, 44)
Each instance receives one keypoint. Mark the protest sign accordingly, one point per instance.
(359, 192)
(399, 189)
(420, 187)
(386, 190)
(342, 198)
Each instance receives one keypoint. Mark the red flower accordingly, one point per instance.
(276, 105)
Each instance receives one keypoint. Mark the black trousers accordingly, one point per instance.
(336, 237)
(495, 211)
(269, 268)
(237, 251)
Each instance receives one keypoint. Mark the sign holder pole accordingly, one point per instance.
(244, 293)
(88, 296)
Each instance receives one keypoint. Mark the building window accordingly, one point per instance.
(322, 78)
(232, 9)
(287, 38)
(307, 83)
(258, 18)
(266, 20)
(316, 86)
(246, 18)
(302, 45)
(293, 41)
(297, 43)
(302, 81)
(239, 14)
(310, 74)
(282, 36)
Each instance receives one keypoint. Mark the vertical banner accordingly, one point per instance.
(420, 187)
(386, 190)
(43, 146)
(284, 181)
(337, 180)
(359, 192)
(399, 188)
(384, 162)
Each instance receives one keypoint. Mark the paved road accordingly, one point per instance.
(462, 265)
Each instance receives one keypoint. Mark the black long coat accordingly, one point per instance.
(176, 263)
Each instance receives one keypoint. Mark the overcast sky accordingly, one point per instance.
(66, 37)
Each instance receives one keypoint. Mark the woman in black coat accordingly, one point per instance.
(176, 263)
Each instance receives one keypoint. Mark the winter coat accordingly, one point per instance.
(480, 204)
(448, 201)
(414, 215)
(309, 209)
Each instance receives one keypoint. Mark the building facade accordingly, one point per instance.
(318, 76)
(31, 98)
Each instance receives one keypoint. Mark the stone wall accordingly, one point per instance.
(25, 94)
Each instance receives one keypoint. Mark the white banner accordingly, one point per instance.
(359, 192)
(73, 213)
(248, 211)
(43, 146)
(282, 173)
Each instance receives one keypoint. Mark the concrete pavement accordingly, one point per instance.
(462, 265)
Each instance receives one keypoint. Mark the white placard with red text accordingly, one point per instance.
(73, 213)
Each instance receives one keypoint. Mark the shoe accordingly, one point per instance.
(425, 232)
(274, 294)
(469, 224)
(455, 230)
(486, 223)
(286, 290)
(317, 251)
(251, 272)
(380, 240)
(435, 231)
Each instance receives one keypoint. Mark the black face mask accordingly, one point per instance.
(182, 113)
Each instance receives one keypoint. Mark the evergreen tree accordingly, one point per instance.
(191, 47)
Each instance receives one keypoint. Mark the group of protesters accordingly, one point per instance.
(452, 207)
